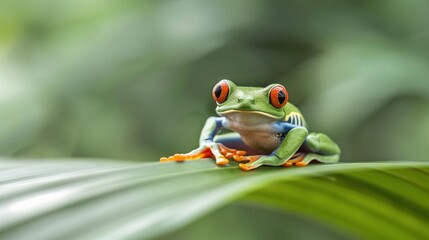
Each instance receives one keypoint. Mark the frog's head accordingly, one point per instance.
(266, 102)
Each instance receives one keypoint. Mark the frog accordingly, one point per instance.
(265, 129)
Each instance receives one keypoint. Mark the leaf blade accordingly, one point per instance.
(148, 200)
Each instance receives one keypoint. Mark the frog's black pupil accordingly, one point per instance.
(218, 91)
(281, 97)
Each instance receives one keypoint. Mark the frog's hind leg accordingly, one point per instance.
(321, 148)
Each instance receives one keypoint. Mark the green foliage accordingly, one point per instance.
(111, 200)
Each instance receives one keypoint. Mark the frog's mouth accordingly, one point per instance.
(249, 118)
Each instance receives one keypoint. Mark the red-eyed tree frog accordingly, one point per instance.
(267, 130)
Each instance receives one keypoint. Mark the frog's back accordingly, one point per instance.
(293, 115)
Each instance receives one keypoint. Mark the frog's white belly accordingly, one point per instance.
(265, 142)
(255, 130)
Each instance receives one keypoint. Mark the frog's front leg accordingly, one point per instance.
(289, 146)
(208, 148)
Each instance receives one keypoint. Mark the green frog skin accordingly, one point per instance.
(266, 130)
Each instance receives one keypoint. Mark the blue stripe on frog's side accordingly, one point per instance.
(283, 127)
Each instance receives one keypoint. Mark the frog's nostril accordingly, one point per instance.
(246, 101)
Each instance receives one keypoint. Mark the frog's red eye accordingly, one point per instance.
(221, 91)
(278, 96)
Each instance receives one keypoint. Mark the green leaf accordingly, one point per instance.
(93, 199)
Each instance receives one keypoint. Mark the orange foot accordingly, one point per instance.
(219, 151)
(297, 159)
(247, 166)
(180, 157)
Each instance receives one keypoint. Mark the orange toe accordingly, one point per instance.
(240, 153)
(239, 158)
(287, 164)
(301, 164)
(246, 167)
(222, 160)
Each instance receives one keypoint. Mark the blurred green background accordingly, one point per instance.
(132, 80)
